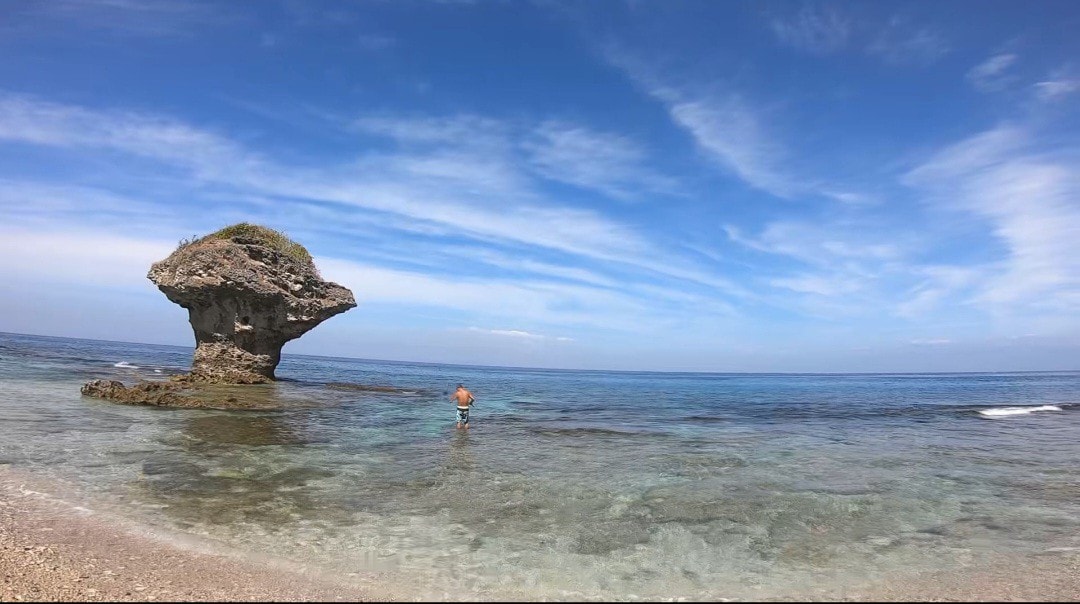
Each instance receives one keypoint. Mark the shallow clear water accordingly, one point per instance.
(570, 484)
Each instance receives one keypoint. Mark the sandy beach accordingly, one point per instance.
(52, 549)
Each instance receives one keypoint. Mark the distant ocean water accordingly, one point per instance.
(571, 484)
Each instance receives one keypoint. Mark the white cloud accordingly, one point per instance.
(733, 134)
(820, 285)
(816, 28)
(823, 29)
(29, 120)
(611, 164)
(722, 125)
(1051, 90)
(936, 284)
(990, 75)
(513, 262)
(85, 258)
(901, 43)
(931, 342)
(158, 18)
(733, 131)
(843, 268)
(452, 187)
(821, 244)
(521, 334)
(1030, 197)
(513, 299)
(850, 198)
(582, 267)
(514, 333)
(460, 130)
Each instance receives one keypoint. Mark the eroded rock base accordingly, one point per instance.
(181, 392)
(226, 363)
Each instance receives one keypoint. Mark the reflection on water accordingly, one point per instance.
(726, 486)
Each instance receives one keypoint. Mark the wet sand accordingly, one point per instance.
(52, 549)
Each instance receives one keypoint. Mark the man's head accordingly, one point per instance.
(460, 387)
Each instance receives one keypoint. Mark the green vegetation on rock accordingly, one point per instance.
(246, 232)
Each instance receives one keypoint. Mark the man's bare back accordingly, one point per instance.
(463, 397)
(464, 400)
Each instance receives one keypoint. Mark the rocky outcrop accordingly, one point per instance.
(182, 393)
(248, 290)
(157, 394)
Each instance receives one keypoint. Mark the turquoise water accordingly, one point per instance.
(570, 484)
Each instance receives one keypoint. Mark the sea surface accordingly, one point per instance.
(570, 484)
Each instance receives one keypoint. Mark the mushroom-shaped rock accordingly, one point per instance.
(248, 290)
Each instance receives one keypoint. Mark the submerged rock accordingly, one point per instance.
(179, 393)
(248, 290)
(157, 394)
(373, 388)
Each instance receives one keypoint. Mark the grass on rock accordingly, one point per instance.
(259, 234)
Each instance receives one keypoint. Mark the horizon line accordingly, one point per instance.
(560, 369)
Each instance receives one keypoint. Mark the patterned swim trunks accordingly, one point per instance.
(463, 415)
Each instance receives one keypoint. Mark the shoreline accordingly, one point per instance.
(53, 549)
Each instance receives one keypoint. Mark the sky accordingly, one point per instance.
(669, 186)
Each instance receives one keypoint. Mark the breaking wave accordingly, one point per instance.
(1009, 411)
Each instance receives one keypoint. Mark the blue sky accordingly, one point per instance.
(702, 186)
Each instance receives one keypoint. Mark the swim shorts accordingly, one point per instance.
(463, 415)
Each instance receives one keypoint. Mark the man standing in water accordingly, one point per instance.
(464, 400)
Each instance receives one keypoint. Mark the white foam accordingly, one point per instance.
(125, 365)
(1007, 411)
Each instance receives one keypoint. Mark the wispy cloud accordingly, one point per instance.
(131, 17)
(612, 164)
(819, 244)
(904, 43)
(463, 129)
(564, 265)
(723, 126)
(1051, 90)
(30, 120)
(935, 284)
(831, 267)
(521, 334)
(729, 131)
(510, 299)
(816, 28)
(1059, 84)
(376, 42)
(825, 29)
(1029, 196)
(992, 74)
(818, 284)
(931, 341)
(411, 184)
(79, 257)
(734, 131)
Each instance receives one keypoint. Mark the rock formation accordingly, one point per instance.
(181, 393)
(248, 290)
(158, 394)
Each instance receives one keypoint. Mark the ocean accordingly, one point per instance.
(570, 484)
